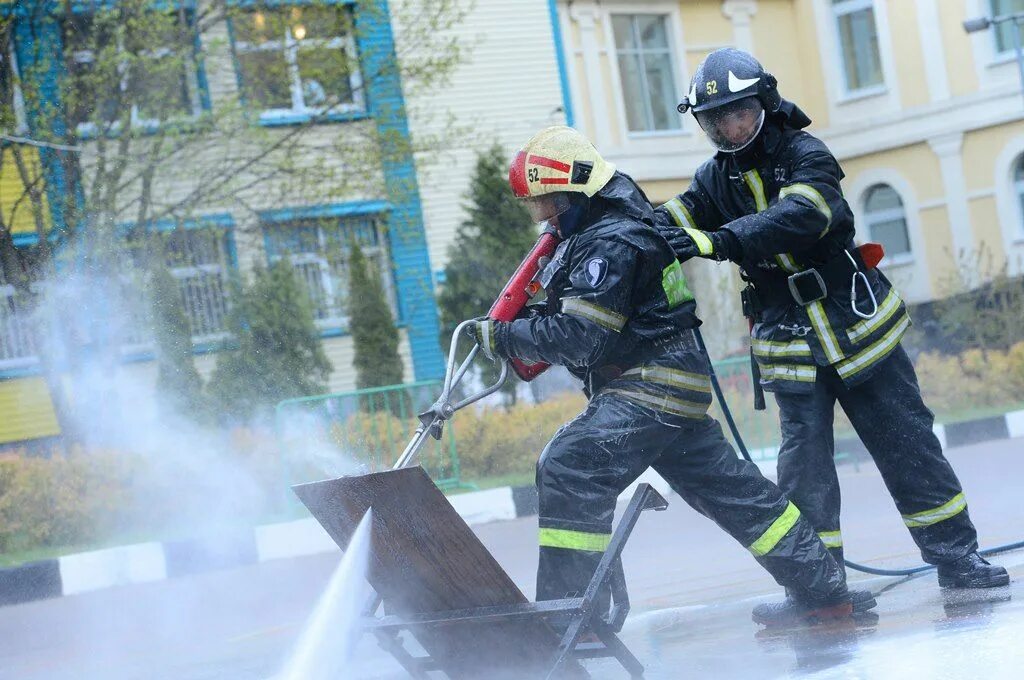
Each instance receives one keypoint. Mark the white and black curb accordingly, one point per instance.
(150, 562)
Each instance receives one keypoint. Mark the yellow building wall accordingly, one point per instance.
(15, 207)
(960, 63)
(916, 163)
(662, 190)
(908, 55)
(939, 250)
(705, 28)
(813, 99)
(779, 48)
(982, 148)
(27, 410)
(988, 235)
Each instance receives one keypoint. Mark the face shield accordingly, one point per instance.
(731, 127)
(548, 207)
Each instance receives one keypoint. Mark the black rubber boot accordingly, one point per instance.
(972, 571)
(862, 600)
(790, 612)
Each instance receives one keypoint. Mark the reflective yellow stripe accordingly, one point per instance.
(823, 329)
(602, 316)
(789, 372)
(574, 540)
(874, 352)
(680, 214)
(753, 180)
(889, 305)
(774, 348)
(787, 263)
(662, 402)
(779, 528)
(812, 195)
(831, 539)
(951, 508)
(671, 377)
(700, 239)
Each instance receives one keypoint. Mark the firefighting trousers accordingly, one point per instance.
(594, 457)
(889, 416)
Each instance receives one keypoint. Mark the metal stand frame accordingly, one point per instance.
(577, 614)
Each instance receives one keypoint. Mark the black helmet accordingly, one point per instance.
(730, 93)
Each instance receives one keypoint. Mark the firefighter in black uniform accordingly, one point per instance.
(619, 315)
(827, 327)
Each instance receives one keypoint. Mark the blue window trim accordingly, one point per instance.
(327, 211)
(256, 117)
(563, 73)
(350, 209)
(407, 235)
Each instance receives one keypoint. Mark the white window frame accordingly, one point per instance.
(91, 128)
(1018, 185)
(180, 274)
(18, 103)
(888, 215)
(290, 47)
(671, 51)
(839, 10)
(23, 326)
(910, 272)
(378, 253)
(998, 56)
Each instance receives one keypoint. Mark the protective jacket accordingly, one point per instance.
(618, 309)
(619, 315)
(782, 201)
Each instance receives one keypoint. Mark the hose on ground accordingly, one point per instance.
(741, 445)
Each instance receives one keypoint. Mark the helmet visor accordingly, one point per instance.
(547, 207)
(732, 126)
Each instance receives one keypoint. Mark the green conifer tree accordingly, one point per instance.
(488, 247)
(178, 382)
(279, 353)
(374, 334)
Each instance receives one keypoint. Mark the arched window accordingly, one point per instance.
(886, 220)
(1018, 184)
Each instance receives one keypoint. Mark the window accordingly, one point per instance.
(198, 260)
(1004, 31)
(318, 248)
(645, 68)
(886, 220)
(297, 61)
(18, 340)
(146, 75)
(1018, 184)
(858, 43)
(12, 103)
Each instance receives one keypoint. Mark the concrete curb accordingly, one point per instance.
(150, 562)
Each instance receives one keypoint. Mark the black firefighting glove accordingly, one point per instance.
(486, 334)
(713, 245)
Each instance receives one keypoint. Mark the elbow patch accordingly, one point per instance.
(590, 311)
(812, 195)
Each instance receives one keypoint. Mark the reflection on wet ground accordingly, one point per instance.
(918, 630)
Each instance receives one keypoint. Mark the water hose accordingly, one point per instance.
(741, 445)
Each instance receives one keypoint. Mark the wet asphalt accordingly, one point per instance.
(692, 590)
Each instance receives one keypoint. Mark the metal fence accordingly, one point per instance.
(759, 429)
(361, 431)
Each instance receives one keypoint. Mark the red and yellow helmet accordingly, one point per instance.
(558, 159)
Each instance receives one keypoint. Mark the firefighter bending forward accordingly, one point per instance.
(619, 315)
(770, 200)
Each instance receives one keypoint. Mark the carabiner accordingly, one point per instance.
(853, 290)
